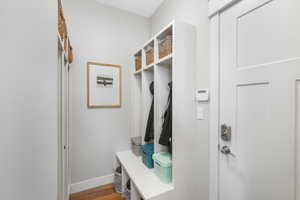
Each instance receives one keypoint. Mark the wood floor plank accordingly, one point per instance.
(92, 196)
(94, 193)
(114, 196)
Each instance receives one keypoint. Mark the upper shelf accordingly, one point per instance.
(138, 53)
(147, 183)
(138, 72)
(154, 43)
(150, 43)
(149, 67)
(168, 30)
(166, 60)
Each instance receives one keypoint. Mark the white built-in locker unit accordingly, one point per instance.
(178, 67)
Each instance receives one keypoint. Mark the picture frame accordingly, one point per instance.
(104, 87)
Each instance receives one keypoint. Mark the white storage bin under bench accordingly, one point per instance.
(144, 180)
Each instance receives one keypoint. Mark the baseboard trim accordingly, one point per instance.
(69, 190)
(91, 183)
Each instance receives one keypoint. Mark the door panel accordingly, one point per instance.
(259, 45)
(264, 25)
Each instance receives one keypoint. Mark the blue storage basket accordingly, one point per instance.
(148, 151)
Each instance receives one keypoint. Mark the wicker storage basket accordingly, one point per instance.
(70, 52)
(136, 146)
(61, 23)
(165, 46)
(118, 180)
(149, 56)
(138, 63)
(66, 43)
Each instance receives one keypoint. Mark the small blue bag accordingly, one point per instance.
(148, 151)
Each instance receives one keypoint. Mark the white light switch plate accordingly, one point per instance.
(200, 113)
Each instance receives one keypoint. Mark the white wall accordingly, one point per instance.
(101, 34)
(193, 12)
(28, 100)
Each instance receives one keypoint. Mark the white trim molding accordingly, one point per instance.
(91, 183)
(214, 107)
(69, 190)
(216, 6)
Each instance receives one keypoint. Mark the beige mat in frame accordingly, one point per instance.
(104, 89)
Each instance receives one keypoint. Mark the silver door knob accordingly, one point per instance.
(227, 151)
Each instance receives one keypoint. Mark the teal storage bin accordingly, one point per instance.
(147, 153)
(163, 166)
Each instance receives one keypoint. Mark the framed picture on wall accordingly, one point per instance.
(103, 85)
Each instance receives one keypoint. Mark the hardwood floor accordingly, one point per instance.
(106, 192)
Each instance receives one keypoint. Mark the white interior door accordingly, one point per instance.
(259, 100)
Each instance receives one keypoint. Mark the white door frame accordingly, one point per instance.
(63, 130)
(215, 7)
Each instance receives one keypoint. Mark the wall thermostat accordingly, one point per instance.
(202, 95)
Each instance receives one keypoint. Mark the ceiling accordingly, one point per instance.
(144, 8)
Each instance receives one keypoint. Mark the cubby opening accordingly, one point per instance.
(137, 105)
(165, 42)
(163, 79)
(126, 185)
(149, 53)
(148, 97)
(138, 61)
